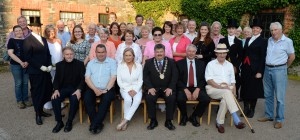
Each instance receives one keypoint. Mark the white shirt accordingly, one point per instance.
(174, 46)
(38, 37)
(136, 49)
(252, 39)
(55, 51)
(96, 38)
(191, 36)
(231, 39)
(220, 73)
(130, 81)
(188, 62)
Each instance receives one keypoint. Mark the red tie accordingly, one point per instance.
(191, 75)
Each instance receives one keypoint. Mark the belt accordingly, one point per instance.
(273, 66)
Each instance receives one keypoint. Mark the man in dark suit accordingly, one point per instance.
(68, 83)
(160, 76)
(235, 47)
(37, 54)
(191, 86)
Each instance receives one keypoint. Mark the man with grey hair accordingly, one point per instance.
(91, 36)
(61, 34)
(191, 32)
(191, 86)
(216, 32)
(280, 55)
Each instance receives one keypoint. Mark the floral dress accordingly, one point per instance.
(81, 50)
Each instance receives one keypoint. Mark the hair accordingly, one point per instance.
(115, 24)
(73, 39)
(157, 29)
(67, 48)
(100, 24)
(129, 32)
(21, 17)
(139, 15)
(100, 46)
(159, 46)
(60, 21)
(92, 24)
(216, 22)
(151, 19)
(132, 52)
(192, 20)
(191, 46)
(113, 13)
(48, 27)
(207, 39)
(122, 23)
(145, 28)
(16, 26)
(276, 24)
(104, 30)
(179, 24)
(169, 23)
(71, 20)
(239, 28)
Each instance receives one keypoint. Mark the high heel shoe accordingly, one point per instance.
(121, 125)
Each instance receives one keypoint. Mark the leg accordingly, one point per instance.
(104, 106)
(65, 92)
(16, 71)
(170, 105)
(127, 103)
(74, 103)
(181, 101)
(90, 103)
(203, 103)
(25, 78)
(269, 93)
(135, 104)
(280, 84)
(151, 105)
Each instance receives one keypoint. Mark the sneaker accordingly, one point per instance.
(21, 105)
(28, 103)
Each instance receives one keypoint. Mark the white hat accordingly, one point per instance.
(221, 48)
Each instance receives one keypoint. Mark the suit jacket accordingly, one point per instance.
(182, 67)
(235, 51)
(151, 76)
(36, 54)
(78, 74)
(256, 52)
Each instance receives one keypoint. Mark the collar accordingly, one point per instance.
(217, 62)
(283, 37)
(35, 35)
(255, 36)
(188, 61)
(97, 61)
(231, 37)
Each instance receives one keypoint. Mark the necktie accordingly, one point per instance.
(160, 66)
(191, 75)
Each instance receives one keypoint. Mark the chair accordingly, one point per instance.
(145, 109)
(67, 101)
(215, 102)
(111, 110)
(188, 102)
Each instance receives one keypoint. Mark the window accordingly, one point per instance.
(30, 13)
(266, 19)
(103, 18)
(64, 16)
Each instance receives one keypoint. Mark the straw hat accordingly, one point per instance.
(221, 48)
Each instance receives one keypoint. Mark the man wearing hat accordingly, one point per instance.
(252, 68)
(37, 54)
(235, 47)
(219, 75)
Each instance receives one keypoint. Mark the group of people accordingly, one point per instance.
(174, 62)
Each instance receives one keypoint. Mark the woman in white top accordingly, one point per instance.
(129, 44)
(130, 81)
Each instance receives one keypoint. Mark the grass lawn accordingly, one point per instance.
(293, 77)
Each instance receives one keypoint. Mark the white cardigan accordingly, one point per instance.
(127, 81)
(137, 51)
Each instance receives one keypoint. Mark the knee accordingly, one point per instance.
(171, 98)
(181, 98)
(73, 98)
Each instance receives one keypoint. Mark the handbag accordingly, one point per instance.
(6, 57)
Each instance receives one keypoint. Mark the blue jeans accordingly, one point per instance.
(21, 82)
(275, 83)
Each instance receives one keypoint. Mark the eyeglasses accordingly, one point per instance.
(156, 34)
(78, 32)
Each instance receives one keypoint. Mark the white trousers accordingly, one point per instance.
(131, 104)
(227, 101)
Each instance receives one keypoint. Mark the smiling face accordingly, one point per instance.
(78, 33)
(139, 21)
(157, 36)
(100, 53)
(18, 32)
(204, 30)
(256, 30)
(22, 22)
(128, 38)
(191, 53)
(145, 33)
(114, 29)
(149, 23)
(276, 32)
(231, 31)
(128, 57)
(68, 55)
(221, 56)
(167, 28)
(103, 35)
(179, 30)
(51, 33)
(159, 54)
(216, 29)
(191, 26)
(123, 28)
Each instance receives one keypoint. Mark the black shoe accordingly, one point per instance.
(68, 127)
(152, 125)
(251, 113)
(169, 125)
(58, 127)
(193, 120)
(44, 114)
(38, 120)
(183, 120)
(98, 129)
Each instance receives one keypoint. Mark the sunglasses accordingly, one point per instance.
(157, 35)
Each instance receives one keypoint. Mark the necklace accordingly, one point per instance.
(161, 75)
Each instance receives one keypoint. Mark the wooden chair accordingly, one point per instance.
(111, 110)
(188, 102)
(67, 101)
(215, 102)
(145, 109)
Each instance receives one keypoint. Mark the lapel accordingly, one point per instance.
(36, 41)
(255, 42)
(196, 68)
(227, 42)
(235, 40)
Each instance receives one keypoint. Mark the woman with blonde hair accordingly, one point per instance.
(145, 31)
(130, 81)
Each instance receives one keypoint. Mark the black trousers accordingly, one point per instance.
(151, 103)
(203, 99)
(41, 90)
(74, 102)
(90, 105)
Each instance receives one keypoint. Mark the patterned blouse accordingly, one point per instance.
(81, 50)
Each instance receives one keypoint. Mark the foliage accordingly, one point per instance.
(294, 33)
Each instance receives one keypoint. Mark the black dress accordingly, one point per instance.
(206, 51)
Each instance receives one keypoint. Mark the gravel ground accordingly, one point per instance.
(18, 124)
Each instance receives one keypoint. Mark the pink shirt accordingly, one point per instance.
(181, 47)
(110, 49)
(149, 50)
(217, 39)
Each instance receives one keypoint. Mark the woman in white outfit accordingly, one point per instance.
(130, 80)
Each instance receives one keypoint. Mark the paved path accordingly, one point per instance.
(20, 124)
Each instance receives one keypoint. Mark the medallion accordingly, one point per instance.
(161, 76)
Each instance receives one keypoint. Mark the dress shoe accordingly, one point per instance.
(44, 114)
(21, 105)
(152, 125)
(251, 113)
(97, 129)
(240, 125)
(264, 119)
(278, 125)
(38, 120)
(58, 127)
(193, 120)
(169, 125)
(220, 128)
(68, 127)
(183, 120)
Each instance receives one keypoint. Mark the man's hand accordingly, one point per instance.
(151, 91)
(44, 68)
(196, 94)
(77, 93)
(98, 92)
(55, 94)
(168, 92)
(188, 94)
(258, 75)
